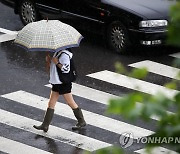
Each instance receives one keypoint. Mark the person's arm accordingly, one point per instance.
(55, 61)
(63, 63)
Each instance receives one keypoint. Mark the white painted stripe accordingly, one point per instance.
(90, 93)
(54, 133)
(14, 147)
(64, 110)
(158, 68)
(7, 37)
(97, 95)
(2, 30)
(157, 150)
(175, 55)
(132, 83)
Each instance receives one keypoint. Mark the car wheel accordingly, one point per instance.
(28, 12)
(117, 37)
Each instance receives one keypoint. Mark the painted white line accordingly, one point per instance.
(14, 147)
(91, 118)
(175, 55)
(90, 93)
(54, 133)
(2, 30)
(158, 68)
(158, 150)
(98, 96)
(132, 83)
(7, 37)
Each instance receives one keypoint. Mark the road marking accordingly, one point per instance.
(8, 36)
(98, 96)
(157, 150)
(14, 147)
(132, 83)
(64, 110)
(175, 55)
(2, 30)
(157, 68)
(90, 93)
(55, 133)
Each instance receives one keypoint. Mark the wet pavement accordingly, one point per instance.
(22, 70)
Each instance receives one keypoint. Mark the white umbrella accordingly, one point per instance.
(48, 35)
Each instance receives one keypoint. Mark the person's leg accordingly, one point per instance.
(70, 101)
(76, 110)
(49, 113)
(53, 99)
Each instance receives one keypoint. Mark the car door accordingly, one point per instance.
(86, 13)
(51, 5)
(51, 9)
(92, 10)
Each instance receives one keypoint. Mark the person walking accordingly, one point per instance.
(61, 60)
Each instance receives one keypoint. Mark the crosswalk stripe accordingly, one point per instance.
(14, 147)
(7, 37)
(90, 93)
(175, 55)
(2, 30)
(91, 118)
(157, 68)
(98, 96)
(132, 83)
(157, 150)
(56, 133)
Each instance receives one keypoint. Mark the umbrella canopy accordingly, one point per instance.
(48, 35)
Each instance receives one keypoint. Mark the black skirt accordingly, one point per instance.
(62, 88)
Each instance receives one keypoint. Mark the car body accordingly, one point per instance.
(122, 22)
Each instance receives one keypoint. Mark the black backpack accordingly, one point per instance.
(71, 75)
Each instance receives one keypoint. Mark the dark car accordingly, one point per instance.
(122, 22)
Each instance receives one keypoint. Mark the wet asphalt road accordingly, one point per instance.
(21, 70)
(92, 55)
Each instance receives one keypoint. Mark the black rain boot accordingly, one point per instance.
(47, 120)
(79, 116)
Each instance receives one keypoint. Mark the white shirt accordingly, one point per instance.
(65, 61)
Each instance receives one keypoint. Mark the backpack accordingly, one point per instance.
(71, 75)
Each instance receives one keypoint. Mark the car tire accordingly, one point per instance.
(28, 12)
(117, 37)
